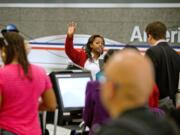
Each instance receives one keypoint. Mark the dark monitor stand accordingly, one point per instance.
(69, 87)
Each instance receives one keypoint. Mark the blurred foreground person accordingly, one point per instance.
(124, 93)
(154, 96)
(21, 86)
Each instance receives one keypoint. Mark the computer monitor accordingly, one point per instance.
(70, 87)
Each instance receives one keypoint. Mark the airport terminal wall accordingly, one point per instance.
(113, 23)
(122, 24)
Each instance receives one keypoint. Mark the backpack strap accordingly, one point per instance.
(168, 71)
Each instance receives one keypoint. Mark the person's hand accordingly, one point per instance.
(71, 29)
(178, 100)
(178, 106)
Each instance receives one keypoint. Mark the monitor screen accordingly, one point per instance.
(70, 88)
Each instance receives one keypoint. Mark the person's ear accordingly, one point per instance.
(150, 36)
(112, 91)
(3, 54)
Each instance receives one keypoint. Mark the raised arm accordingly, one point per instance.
(71, 29)
(74, 54)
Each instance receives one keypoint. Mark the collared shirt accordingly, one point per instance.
(159, 41)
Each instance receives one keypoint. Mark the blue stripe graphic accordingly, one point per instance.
(106, 45)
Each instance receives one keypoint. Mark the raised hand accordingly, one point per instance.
(71, 29)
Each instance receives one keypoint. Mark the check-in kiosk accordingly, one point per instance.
(70, 87)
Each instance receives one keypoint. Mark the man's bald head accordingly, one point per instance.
(133, 75)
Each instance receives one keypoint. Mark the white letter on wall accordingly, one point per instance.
(136, 34)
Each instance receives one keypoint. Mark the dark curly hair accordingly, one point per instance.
(88, 48)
